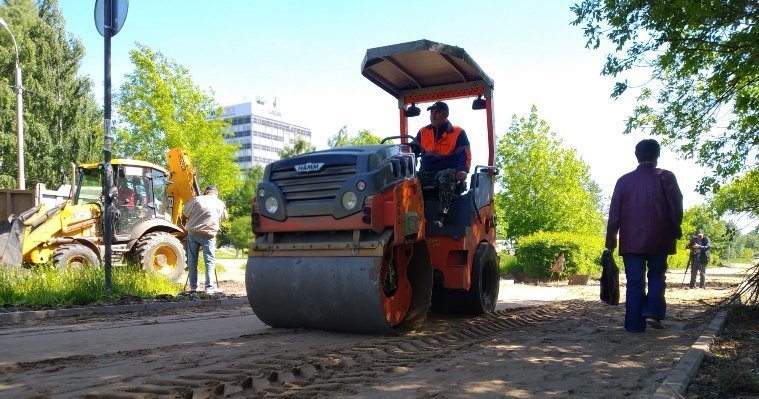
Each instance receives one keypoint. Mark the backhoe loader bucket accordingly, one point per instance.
(340, 293)
(10, 242)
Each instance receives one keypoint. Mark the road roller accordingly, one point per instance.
(344, 238)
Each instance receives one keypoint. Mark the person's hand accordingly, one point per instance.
(460, 175)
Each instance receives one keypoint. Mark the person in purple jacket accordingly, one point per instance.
(647, 211)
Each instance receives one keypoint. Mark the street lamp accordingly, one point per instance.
(19, 113)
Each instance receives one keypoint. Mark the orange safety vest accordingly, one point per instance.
(126, 196)
(451, 151)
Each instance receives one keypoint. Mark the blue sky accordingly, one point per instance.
(308, 54)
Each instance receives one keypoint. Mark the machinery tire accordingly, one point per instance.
(483, 293)
(75, 257)
(162, 254)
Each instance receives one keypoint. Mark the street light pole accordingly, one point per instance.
(19, 113)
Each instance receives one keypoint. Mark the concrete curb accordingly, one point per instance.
(676, 384)
(18, 317)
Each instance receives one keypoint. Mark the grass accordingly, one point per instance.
(744, 260)
(226, 253)
(507, 264)
(44, 286)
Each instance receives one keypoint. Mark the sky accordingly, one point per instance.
(308, 55)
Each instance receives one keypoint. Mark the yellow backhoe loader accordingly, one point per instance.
(147, 206)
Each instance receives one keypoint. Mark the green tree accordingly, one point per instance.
(301, 146)
(240, 233)
(751, 240)
(741, 195)
(342, 138)
(703, 97)
(238, 202)
(62, 123)
(544, 187)
(160, 107)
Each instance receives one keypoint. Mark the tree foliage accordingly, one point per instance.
(238, 201)
(62, 123)
(739, 196)
(702, 56)
(240, 232)
(343, 138)
(160, 107)
(301, 146)
(544, 187)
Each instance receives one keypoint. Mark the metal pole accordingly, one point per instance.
(20, 127)
(108, 173)
(19, 112)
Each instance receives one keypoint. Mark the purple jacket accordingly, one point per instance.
(647, 210)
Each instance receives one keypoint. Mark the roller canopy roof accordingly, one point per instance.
(420, 64)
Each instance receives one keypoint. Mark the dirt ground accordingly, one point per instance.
(731, 369)
(566, 344)
(689, 311)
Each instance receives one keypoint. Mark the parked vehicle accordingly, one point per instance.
(147, 206)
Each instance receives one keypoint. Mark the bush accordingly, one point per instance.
(678, 260)
(537, 252)
(507, 263)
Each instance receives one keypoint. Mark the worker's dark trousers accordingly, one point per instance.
(446, 182)
(640, 305)
(698, 268)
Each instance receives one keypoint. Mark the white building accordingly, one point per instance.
(260, 132)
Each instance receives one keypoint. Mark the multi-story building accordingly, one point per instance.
(260, 132)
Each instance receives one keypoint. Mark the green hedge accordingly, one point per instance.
(507, 263)
(537, 252)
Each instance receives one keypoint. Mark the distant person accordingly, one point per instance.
(445, 156)
(202, 217)
(700, 251)
(646, 210)
(126, 196)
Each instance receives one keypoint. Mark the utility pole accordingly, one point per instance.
(21, 183)
(108, 23)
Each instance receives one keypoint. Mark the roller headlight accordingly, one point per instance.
(272, 205)
(361, 185)
(261, 192)
(349, 200)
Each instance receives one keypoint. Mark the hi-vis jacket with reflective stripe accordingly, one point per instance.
(448, 148)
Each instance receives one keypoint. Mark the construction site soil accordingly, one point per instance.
(544, 341)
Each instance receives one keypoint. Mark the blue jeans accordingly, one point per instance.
(638, 304)
(194, 243)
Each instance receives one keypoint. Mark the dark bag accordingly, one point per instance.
(609, 279)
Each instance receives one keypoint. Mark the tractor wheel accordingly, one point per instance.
(162, 254)
(483, 293)
(74, 257)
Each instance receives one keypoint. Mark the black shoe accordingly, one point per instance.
(656, 324)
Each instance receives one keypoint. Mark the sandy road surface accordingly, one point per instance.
(568, 345)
